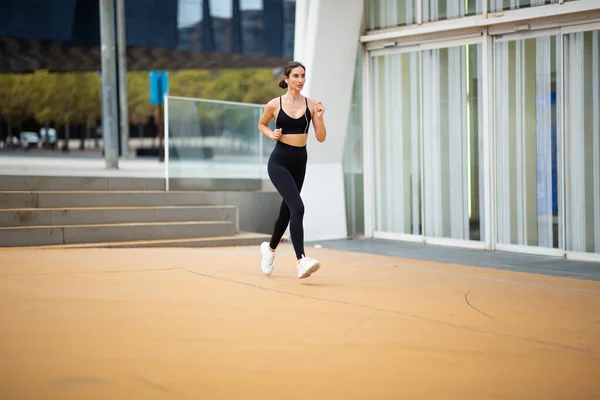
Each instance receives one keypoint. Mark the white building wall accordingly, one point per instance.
(327, 33)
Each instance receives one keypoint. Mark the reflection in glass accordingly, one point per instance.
(353, 156)
(237, 26)
(390, 13)
(499, 5)
(582, 141)
(252, 26)
(526, 132)
(189, 24)
(452, 132)
(289, 24)
(435, 10)
(397, 145)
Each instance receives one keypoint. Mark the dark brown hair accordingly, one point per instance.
(286, 72)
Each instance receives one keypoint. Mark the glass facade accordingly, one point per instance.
(516, 169)
(239, 26)
(427, 126)
(436, 10)
(353, 156)
(380, 14)
(526, 129)
(50, 63)
(451, 139)
(390, 13)
(582, 141)
(397, 127)
(64, 35)
(501, 5)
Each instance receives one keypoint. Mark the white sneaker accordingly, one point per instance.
(268, 259)
(307, 266)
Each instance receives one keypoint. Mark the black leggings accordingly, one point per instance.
(287, 167)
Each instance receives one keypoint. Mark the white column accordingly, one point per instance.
(300, 21)
(329, 50)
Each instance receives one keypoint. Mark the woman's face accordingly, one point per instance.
(297, 78)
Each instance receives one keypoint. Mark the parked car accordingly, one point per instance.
(29, 140)
(49, 139)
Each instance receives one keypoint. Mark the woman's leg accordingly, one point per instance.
(280, 224)
(288, 183)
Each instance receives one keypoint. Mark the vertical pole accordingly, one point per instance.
(368, 154)
(122, 68)
(166, 118)
(109, 92)
(489, 145)
(260, 147)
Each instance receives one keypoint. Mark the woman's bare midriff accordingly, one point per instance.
(297, 140)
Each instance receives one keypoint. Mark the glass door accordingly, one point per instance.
(582, 140)
(427, 132)
(452, 141)
(397, 145)
(527, 103)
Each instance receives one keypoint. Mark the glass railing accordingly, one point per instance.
(214, 140)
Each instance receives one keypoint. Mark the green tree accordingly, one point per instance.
(189, 83)
(20, 93)
(243, 85)
(138, 94)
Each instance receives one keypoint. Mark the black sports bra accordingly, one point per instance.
(291, 125)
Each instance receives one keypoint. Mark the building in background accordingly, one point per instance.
(59, 36)
(462, 123)
(64, 35)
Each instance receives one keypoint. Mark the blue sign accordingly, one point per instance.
(159, 86)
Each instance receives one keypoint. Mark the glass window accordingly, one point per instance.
(353, 155)
(289, 23)
(189, 24)
(221, 23)
(526, 132)
(237, 26)
(435, 10)
(252, 26)
(389, 13)
(452, 129)
(397, 146)
(582, 141)
(500, 5)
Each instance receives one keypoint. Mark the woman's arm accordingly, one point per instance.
(263, 123)
(318, 121)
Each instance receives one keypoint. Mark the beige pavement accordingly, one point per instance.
(206, 324)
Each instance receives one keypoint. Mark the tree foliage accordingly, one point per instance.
(76, 98)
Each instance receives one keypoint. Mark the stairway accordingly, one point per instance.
(137, 217)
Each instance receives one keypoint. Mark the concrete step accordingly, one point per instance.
(257, 210)
(114, 215)
(70, 183)
(66, 199)
(239, 239)
(73, 199)
(71, 234)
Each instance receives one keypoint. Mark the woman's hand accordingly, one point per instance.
(319, 109)
(276, 134)
(319, 122)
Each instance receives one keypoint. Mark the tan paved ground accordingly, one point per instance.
(205, 324)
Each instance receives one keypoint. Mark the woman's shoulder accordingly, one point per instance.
(273, 103)
(310, 101)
